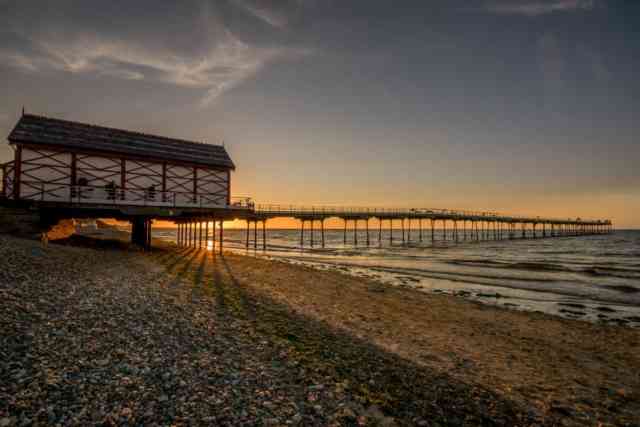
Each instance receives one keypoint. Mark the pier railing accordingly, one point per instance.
(274, 210)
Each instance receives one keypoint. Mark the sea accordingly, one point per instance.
(594, 278)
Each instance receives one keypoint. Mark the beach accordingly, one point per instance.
(104, 335)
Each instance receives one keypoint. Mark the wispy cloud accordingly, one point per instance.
(220, 62)
(538, 7)
(270, 16)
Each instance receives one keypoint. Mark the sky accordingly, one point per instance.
(516, 106)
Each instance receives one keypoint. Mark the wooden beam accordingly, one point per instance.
(17, 171)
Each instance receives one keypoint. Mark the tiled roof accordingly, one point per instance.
(32, 129)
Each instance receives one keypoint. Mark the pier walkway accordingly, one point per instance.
(456, 225)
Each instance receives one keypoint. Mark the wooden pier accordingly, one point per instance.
(63, 169)
(456, 225)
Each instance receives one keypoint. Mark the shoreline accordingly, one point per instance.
(360, 348)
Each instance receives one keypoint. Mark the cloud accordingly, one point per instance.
(270, 16)
(538, 7)
(209, 57)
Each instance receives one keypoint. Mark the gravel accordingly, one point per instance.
(117, 337)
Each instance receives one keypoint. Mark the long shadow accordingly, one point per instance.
(399, 387)
(177, 258)
(184, 271)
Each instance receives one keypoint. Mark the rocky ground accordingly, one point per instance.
(115, 337)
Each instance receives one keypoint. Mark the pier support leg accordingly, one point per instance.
(380, 232)
(264, 234)
(355, 232)
(402, 226)
(444, 229)
(206, 234)
(302, 233)
(408, 230)
(213, 235)
(420, 227)
(366, 224)
(221, 238)
(247, 236)
(345, 231)
(390, 232)
(255, 234)
(322, 231)
(433, 234)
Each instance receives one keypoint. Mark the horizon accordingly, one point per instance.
(520, 107)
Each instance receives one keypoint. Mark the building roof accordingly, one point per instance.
(38, 130)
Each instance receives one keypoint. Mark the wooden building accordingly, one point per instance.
(68, 162)
(66, 169)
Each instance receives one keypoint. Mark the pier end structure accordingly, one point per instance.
(65, 169)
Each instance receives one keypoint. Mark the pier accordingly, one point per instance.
(457, 225)
(63, 170)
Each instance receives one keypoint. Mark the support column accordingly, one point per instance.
(355, 232)
(408, 230)
(246, 244)
(312, 225)
(206, 233)
(264, 234)
(302, 233)
(213, 235)
(402, 225)
(380, 232)
(433, 234)
(199, 234)
(390, 232)
(322, 231)
(255, 234)
(345, 231)
(221, 236)
(444, 229)
(366, 224)
(420, 227)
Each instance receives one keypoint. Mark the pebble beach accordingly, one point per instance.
(108, 335)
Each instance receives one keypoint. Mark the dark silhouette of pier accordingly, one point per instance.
(456, 225)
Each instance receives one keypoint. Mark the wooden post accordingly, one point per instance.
(455, 230)
(402, 226)
(221, 236)
(322, 231)
(199, 234)
(380, 232)
(355, 232)
(213, 235)
(432, 231)
(17, 172)
(312, 225)
(367, 228)
(264, 234)
(195, 184)
(255, 234)
(444, 229)
(391, 231)
(302, 233)
(247, 236)
(408, 230)
(345, 231)
(420, 227)
(123, 178)
(164, 182)
(206, 233)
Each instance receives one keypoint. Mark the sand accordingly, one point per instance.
(335, 349)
